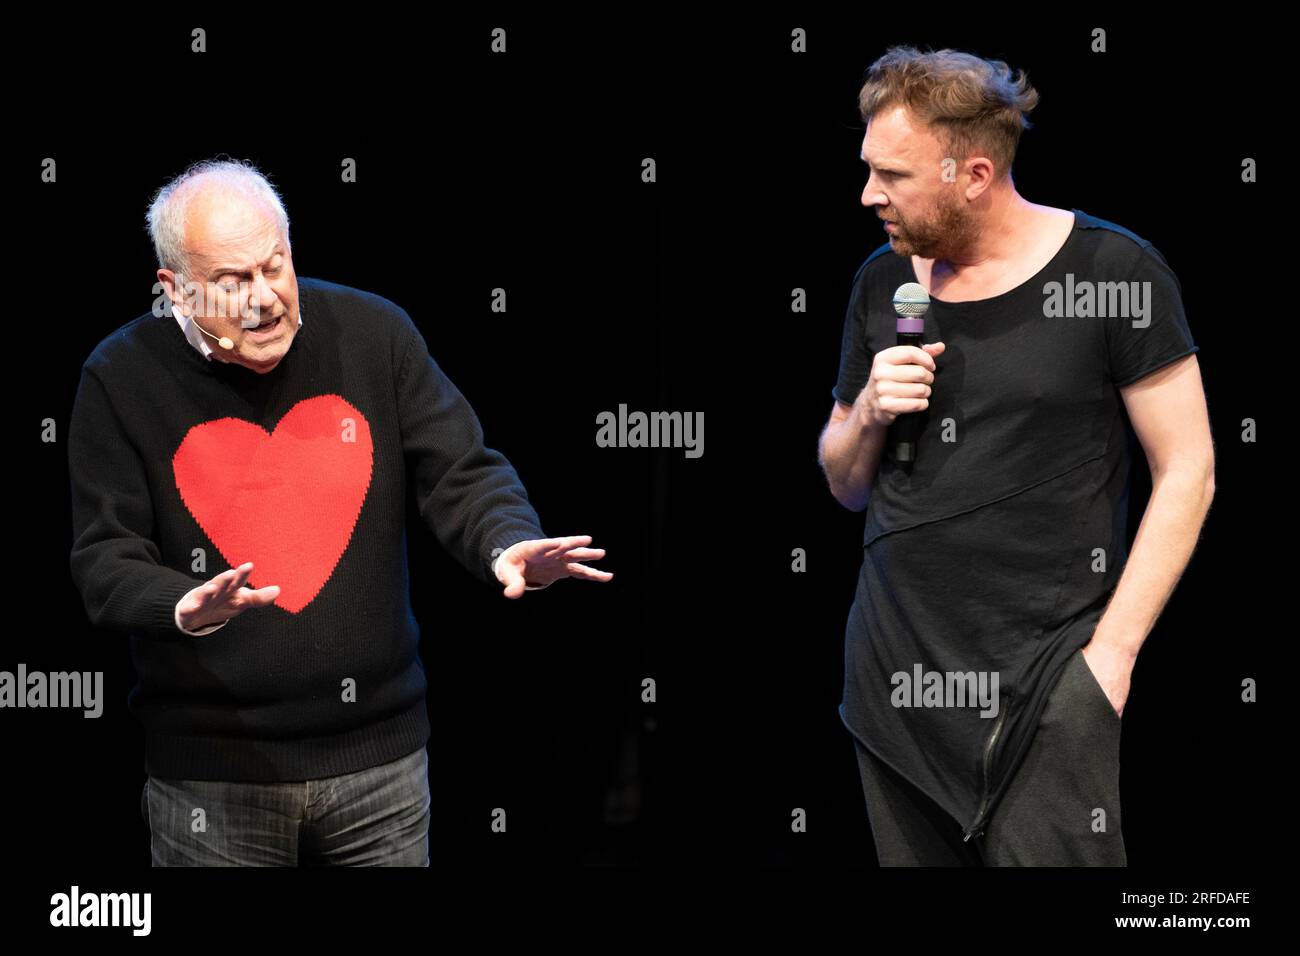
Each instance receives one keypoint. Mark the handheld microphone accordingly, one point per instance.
(911, 302)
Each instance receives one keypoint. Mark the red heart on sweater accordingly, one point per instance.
(287, 501)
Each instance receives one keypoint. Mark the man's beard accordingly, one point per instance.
(951, 231)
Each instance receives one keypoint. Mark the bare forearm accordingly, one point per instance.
(1171, 525)
(849, 453)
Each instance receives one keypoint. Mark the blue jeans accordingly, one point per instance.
(375, 817)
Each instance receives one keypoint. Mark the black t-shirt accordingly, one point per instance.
(995, 552)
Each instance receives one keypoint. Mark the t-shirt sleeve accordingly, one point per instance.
(855, 356)
(1153, 330)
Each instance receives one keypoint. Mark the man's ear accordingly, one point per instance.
(169, 279)
(981, 172)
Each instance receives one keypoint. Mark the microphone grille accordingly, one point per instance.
(911, 299)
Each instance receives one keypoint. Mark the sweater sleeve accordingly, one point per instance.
(201, 631)
(468, 494)
(115, 563)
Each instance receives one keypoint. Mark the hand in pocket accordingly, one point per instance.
(1111, 671)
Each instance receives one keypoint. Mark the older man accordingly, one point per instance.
(267, 423)
(996, 558)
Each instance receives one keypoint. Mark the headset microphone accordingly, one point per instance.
(224, 342)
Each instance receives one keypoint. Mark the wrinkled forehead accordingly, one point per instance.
(895, 138)
(222, 226)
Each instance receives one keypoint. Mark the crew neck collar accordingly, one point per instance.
(991, 301)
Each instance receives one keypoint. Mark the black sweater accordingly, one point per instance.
(183, 467)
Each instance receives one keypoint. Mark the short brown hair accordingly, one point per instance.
(972, 105)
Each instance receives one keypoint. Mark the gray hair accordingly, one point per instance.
(169, 211)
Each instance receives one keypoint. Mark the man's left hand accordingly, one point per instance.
(1113, 668)
(535, 564)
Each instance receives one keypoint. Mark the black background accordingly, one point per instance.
(523, 171)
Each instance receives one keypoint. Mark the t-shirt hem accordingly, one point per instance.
(866, 745)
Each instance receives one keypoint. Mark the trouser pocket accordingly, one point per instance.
(1062, 806)
(1098, 692)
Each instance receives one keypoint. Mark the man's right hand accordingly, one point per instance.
(222, 598)
(900, 382)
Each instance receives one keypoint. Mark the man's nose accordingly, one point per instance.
(263, 297)
(871, 196)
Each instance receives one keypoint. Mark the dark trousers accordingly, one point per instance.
(1060, 809)
(375, 817)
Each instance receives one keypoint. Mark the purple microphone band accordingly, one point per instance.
(911, 325)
